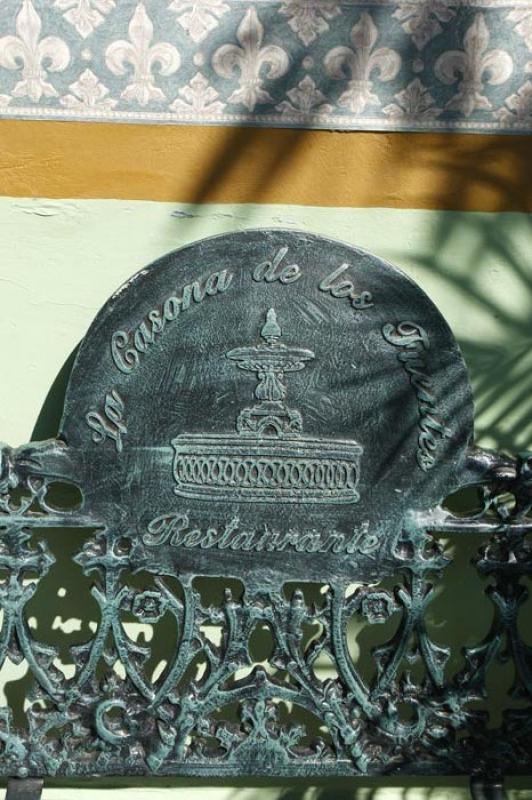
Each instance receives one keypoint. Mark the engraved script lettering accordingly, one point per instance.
(127, 347)
(176, 530)
(413, 340)
(270, 271)
(110, 424)
(343, 287)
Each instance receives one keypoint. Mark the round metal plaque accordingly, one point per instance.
(270, 401)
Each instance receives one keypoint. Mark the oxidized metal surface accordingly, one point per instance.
(275, 408)
(266, 398)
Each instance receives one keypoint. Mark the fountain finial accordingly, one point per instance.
(271, 331)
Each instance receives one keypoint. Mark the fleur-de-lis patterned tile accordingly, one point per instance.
(344, 64)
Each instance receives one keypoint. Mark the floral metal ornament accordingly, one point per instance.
(375, 605)
(247, 496)
(149, 606)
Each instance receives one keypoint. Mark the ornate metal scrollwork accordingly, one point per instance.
(134, 724)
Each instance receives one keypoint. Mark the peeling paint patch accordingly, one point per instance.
(285, 221)
(49, 208)
(183, 215)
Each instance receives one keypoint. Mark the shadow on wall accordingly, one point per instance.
(491, 273)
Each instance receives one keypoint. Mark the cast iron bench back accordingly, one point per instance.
(285, 414)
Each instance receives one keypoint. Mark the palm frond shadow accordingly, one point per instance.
(494, 281)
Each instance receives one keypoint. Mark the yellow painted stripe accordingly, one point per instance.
(251, 165)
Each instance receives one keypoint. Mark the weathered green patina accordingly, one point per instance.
(276, 408)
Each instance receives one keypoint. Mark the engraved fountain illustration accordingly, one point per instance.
(268, 459)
